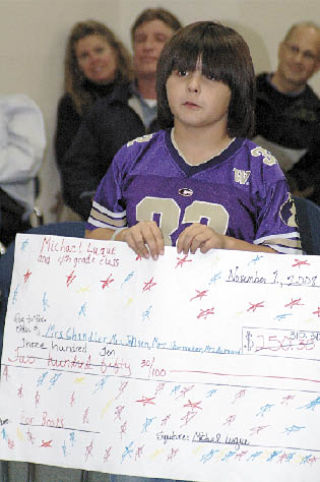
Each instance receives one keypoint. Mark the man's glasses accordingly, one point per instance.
(306, 54)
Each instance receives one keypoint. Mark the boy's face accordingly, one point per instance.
(148, 42)
(198, 101)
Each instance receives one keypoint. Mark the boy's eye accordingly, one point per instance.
(211, 76)
(182, 73)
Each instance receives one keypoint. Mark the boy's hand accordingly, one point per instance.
(200, 236)
(145, 238)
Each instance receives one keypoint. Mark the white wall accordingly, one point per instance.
(33, 34)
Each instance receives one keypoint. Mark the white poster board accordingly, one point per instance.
(198, 367)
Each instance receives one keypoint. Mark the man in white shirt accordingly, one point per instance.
(22, 144)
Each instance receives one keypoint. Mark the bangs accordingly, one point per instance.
(216, 54)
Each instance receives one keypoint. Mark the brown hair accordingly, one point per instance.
(155, 14)
(73, 77)
(225, 56)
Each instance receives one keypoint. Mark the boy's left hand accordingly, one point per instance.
(200, 236)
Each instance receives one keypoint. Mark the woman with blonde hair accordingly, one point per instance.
(95, 61)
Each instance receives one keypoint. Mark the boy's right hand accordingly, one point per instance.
(145, 238)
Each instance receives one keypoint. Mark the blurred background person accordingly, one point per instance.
(288, 110)
(95, 60)
(129, 111)
(22, 144)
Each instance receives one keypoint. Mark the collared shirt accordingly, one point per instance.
(145, 108)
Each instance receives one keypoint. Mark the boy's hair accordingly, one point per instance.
(225, 56)
(73, 77)
(150, 14)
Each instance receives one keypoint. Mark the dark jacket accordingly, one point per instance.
(292, 122)
(69, 120)
(110, 123)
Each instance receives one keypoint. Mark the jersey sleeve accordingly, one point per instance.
(108, 210)
(276, 211)
(109, 204)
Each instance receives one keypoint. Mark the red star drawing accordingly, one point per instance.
(254, 306)
(182, 261)
(27, 275)
(148, 285)
(200, 294)
(300, 263)
(293, 303)
(146, 401)
(107, 282)
(205, 313)
(46, 444)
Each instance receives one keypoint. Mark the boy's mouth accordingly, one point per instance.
(191, 104)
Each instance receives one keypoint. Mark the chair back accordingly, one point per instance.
(308, 217)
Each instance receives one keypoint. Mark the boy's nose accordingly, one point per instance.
(194, 82)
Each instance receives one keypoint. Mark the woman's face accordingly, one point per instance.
(96, 59)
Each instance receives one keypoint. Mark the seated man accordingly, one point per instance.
(128, 112)
(288, 111)
(22, 143)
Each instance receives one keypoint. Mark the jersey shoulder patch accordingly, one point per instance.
(139, 140)
(267, 157)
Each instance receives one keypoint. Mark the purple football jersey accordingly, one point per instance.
(241, 193)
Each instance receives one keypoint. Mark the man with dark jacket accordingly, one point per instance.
(127, 112)
(288, 111)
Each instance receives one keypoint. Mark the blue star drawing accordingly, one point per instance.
(312, 405)
(206, 457)
(45, 303)
(228, 455)
(127, 451)
(146, 314)
(15, 294)
(265, 408)
(128, 278)
(274, 454)
(256, 259)
(64, 448)
(147, 424)
(41, 379)
(175, 390)
(54, 380)
(101, 383)
(306, 459)
(211, 392)
(83, 310)
(255, 455)
(290, 456)
(283, 316)
(292, 429)
(72, 438)
(215, 278)
(24, 244)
